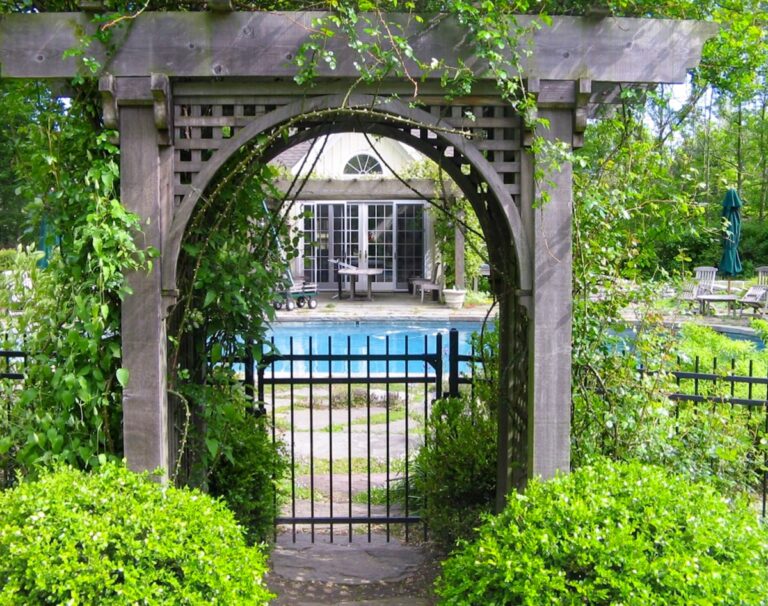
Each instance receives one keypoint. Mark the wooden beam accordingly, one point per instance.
(359, 189)
(259, 44)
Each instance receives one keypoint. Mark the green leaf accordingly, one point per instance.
(122, 376)
(210, 296)
(216, 353)
(213, 446)
(5, 444)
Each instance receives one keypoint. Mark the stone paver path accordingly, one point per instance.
(347, 574)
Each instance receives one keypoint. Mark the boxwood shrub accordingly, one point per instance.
(454, 472)
(115, 537)
(613, 533)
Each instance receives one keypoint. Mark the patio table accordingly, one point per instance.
(354, 273)
(705, 300)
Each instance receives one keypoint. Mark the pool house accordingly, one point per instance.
(355, 210)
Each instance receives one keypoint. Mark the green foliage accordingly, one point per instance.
(17, 100)
(241, 463)
(449, 215)
(8, 259)
(761, 328)
(454, 473)
(624, 413)
(485, 344)
(617, 411)
(115, 537)
(69, 313)
(753, 246)
(621, 533)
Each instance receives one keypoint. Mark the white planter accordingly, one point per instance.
(454, 297)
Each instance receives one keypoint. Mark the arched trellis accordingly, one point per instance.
(456, 152)
(387, 117)
(163, 58)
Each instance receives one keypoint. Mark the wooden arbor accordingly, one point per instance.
(188, 90)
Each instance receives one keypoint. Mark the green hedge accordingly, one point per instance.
(621, 533)
(454, 473)
(115, 537)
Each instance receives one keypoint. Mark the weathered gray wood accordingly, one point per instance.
(361, 189)
(549, 409)
(144, 188)
(458, 253)
(225, 45)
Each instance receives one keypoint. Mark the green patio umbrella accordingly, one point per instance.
(730, 264)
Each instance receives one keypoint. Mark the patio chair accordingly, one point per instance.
(702, 284)
(417, 282)
(434, 285)
(430, 287)
(756, 298)
(762, 275)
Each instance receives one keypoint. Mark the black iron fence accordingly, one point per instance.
(717, 386)
(12, 368)
(12, 365)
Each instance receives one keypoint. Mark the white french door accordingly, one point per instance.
(388, 236)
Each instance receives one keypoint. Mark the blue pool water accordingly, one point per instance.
(740, 336)
(393, 337)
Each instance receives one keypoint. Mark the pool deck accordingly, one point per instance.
(385, 306)
(402, 306)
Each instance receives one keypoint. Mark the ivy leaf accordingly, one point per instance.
(122, 376)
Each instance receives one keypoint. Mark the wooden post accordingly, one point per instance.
(549, 332)
(144, 189)
(458, 254)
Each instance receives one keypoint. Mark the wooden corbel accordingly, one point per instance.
(160, 86)
(581, 112)
(108, 88)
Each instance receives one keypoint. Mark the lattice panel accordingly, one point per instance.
(203, 123)
(518, 414)
(495, 129)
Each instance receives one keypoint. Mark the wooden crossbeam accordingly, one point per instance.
(226, 45)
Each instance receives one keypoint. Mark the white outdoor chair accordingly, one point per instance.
(417, 282)
(757, 296)
(702, 284)
(762, 275)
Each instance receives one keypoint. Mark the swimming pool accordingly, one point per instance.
(366, 337)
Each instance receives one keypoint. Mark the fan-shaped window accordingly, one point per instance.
(363, 164)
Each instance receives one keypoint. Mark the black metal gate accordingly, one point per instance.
(350, 422)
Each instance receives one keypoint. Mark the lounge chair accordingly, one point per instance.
(757, 296)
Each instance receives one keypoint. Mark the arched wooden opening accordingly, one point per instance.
(447, 142)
